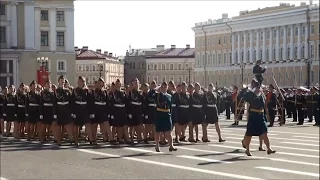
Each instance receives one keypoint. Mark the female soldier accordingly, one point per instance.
(32, 106)
(257, 124)
(174, 92)
(2, 100)
(163, 122)
(196, 101)
(19, 126)
(47, 112)
(9, 110)
(149, 110)
(183, 110)
(211, 113)
(63, 111)
(80, 97)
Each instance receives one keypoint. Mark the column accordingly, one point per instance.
(285, 49)
(258, 45)
(251, 46)
(306, 44)
(278, 44)
(14, 25)
(37, 35)
(233, 49)
(29, 24)
(245, 60)
(299, 41)
(291, 42)
(53, 29)
(8, 28)
(264, 41)
(239, 47)
(270, 45)
(69, 37)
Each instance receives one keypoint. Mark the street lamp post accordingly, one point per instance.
(189, 73)
(43, 68)
(242, 66)
(309, 63)
(100, 65)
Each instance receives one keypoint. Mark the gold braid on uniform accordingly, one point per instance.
(208, 98)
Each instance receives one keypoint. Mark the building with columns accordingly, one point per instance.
(173, 63)
(94, 64)
(285, 38)
(35, 28)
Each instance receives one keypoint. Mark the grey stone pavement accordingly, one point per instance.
(297, 157)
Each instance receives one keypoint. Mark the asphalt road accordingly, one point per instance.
(297, 157)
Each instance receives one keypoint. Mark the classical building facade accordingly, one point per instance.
(94, 64)
(285, 38)
(32, 29)
(135, 64)
(173, 63)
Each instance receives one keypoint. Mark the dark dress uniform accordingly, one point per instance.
(163, 122)
(2, 101)
(149, 107)
(309, 101)
(228, 101)
(134, 108)
(196, 103)
(99, 104)
(291, 107)
(257, 123)
(315, 107)
(258, 71)
(47, 107)
(183, 103)
(118, 103)
(63, 107)
(282, 112)
(80, 106)
(271, 104)
(301, 105)
(210, 107)
(21, 107)
(32, 105)
(110, 108)
(10, 108)
(174, 112)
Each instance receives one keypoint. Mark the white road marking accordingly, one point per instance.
(254, 157)
(282, 147)
(283, 132)
(141, 150)
(307, 137)
(204, 159)
(304, 144)
(302, 140)
(288, 171)
(2, 178)
(284, 153)
(170, 165)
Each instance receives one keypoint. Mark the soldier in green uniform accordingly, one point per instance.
(163, 122)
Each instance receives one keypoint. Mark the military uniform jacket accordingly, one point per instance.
(47, 103)
(80, 99)
(183, 100)
(21, 103)
(148, 100)
(258, 70)
(163, 101)
(10, 106)
(135, 100)
(33, 102)
(63, 97)
(118, 99)
(300, 101)
(271, 100)
(197, 100)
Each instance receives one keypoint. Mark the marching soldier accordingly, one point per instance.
(211, 113)
(228, 102)
(271, 104)
(149, 110)
(196, 103)
(282, 107)
(309, 100)
(110, 110)
(300, 105)
(47, 112)
(19, 126)
(63, 116)
(2, 100)
(81, 111)
(119, 115)
(239, 103)
(183, 104)
(174, 92)
(315, 105)
(258, 71)
(32, 106)
(9, 111)
(135, 120)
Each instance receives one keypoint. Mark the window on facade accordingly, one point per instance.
(163, 67)
(44, 15)
(260, 54)
(312, 76)
(179, 67)
(303, 30)
(289, 31)
(219, 41)
(80, 68)
(230, 58)
(237, 56)
(302, 52)
(254, 55)
(87, 79)
(236, 38)
(311, 50)
(281, 53)
(267, 54)
(242, 56)
(2, 9)
(3, 36)
(219, 59)
(295, 52)
(261, 35)
(209, 41)
(213, 59)
(281, 32)
(61, 66)
(60, 38)
(312, 29)
(242, 37)
(60, 15)
(296, 31)
(133, 65)
(255, 35)
(155, 67)
(148, 79)
(224, 58)
(171, 66)
(44, 38)
(224, 40)
(248, 55)
(87, 68)
(274, 53)
(248, 35)
(288, 55)
(203, 42)
(94, 68)
(230, 39)
(268, 34)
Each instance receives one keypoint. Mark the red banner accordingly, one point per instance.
(42, 76)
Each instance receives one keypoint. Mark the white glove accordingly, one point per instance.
(15, 115)
(27, 115)
(55, 116)
(130, 116)
(317, 110)
(265, 67)
(205, 116)
(146, 116)
(112, 117)
(142, 115)
(108, 115)
(4, 114)
(41, 117)
(74, 116)
(92, 116)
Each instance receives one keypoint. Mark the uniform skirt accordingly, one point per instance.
(257, 124)
(211, 114)
(10, 114)
(34, 114)
(119, 116)
(21, 114)
(63, 115)
(82, 115)
(174, 115)
(197, 115)
(100, 114)
(149, 115)
(163, 122)
(47, 113)
(136, 115)
(184, 116)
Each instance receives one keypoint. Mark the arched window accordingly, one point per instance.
(302, 52)
(268, 51)
(237, 57)
(242, 56)
(93, 68)
(288, 55)
(274, 53)
(248, 55)
(312, 76)
(295, 52)
(260, 54)
(281, 53)
(254, 55)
